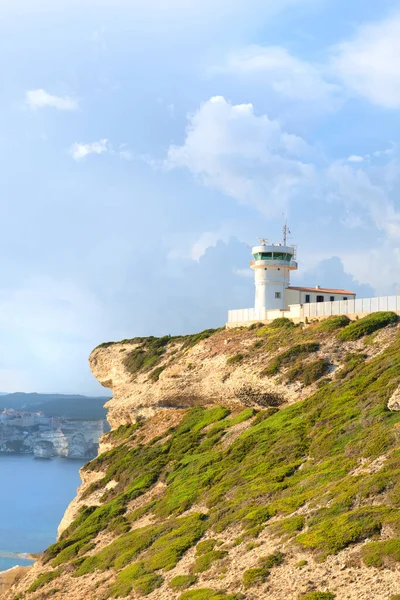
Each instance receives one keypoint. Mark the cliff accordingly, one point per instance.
(249, 463)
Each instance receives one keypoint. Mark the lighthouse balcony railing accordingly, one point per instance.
(292, 264)
(351, 307)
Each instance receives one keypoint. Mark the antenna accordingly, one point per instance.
(286, 232)
(263, 241)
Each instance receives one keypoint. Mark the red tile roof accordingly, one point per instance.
(323, 290)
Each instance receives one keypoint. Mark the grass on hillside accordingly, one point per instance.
(367, 325)
(288, 357)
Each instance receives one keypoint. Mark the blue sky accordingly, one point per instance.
(144, 144)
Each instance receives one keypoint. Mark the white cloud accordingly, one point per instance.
(368, 64)
(355, 158)
(80, 151)
(36, 99)
(207, 240)
(284, 73)
(245, 156)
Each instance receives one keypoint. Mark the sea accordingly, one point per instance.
(33, 498)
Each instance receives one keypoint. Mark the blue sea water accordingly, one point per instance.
(33, 498)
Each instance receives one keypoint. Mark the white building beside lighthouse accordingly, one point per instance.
(275, 297)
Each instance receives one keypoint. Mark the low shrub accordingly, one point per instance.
(155, 375)
(255, 576)
(367, 325)
(308, 373)
(148, 583)
(289, 356)
(205, 561)
(259, 575)
(317, 596)
(332, 323)
(207, 594)
(376, 554)
(205, 546)
(235, 359)
(329, 534)
(256, 326)
(291, 525)
(281, 323)
(301, 563)
(272, 560)
(351, 361)
(265, 414)
(43, 579)
(182, 582)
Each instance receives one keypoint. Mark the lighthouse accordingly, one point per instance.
(276, 298)
(272, 264)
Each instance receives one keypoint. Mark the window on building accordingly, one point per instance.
(273, 256)
(345, 298)
(277, 294)
(263, 256)
(320, 298)
(308, 299)
(332, 298)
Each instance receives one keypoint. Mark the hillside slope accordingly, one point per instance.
(267, 467)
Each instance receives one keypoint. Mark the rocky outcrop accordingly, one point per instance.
(206, 373)
(394, 400)
(200, 375)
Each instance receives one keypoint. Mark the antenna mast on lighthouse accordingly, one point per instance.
(286, 232)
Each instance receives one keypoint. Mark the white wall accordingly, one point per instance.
(351, 307)
(318, 309)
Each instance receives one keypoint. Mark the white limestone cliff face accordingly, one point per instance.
(197, 376)
(201, 376)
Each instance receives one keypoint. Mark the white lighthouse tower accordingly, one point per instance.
(272, 264)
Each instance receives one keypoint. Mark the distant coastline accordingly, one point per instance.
(21, 555)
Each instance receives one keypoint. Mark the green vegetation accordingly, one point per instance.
(351, 361)
(205, 546)
(146, 355)
(182, 582)
(289, 526)
(43, 579)
(308, 373)
(235, 359)
(367, 325)
(376, 554)
(259, 575)
(155, 375)
(288, 357)
(317, 596)
(255, 576)
(205, 561)
(282, 323)
(333, 323)
(150, 351)
(301, 563)
(207, 594)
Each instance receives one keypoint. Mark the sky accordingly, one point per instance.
(145, 145)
